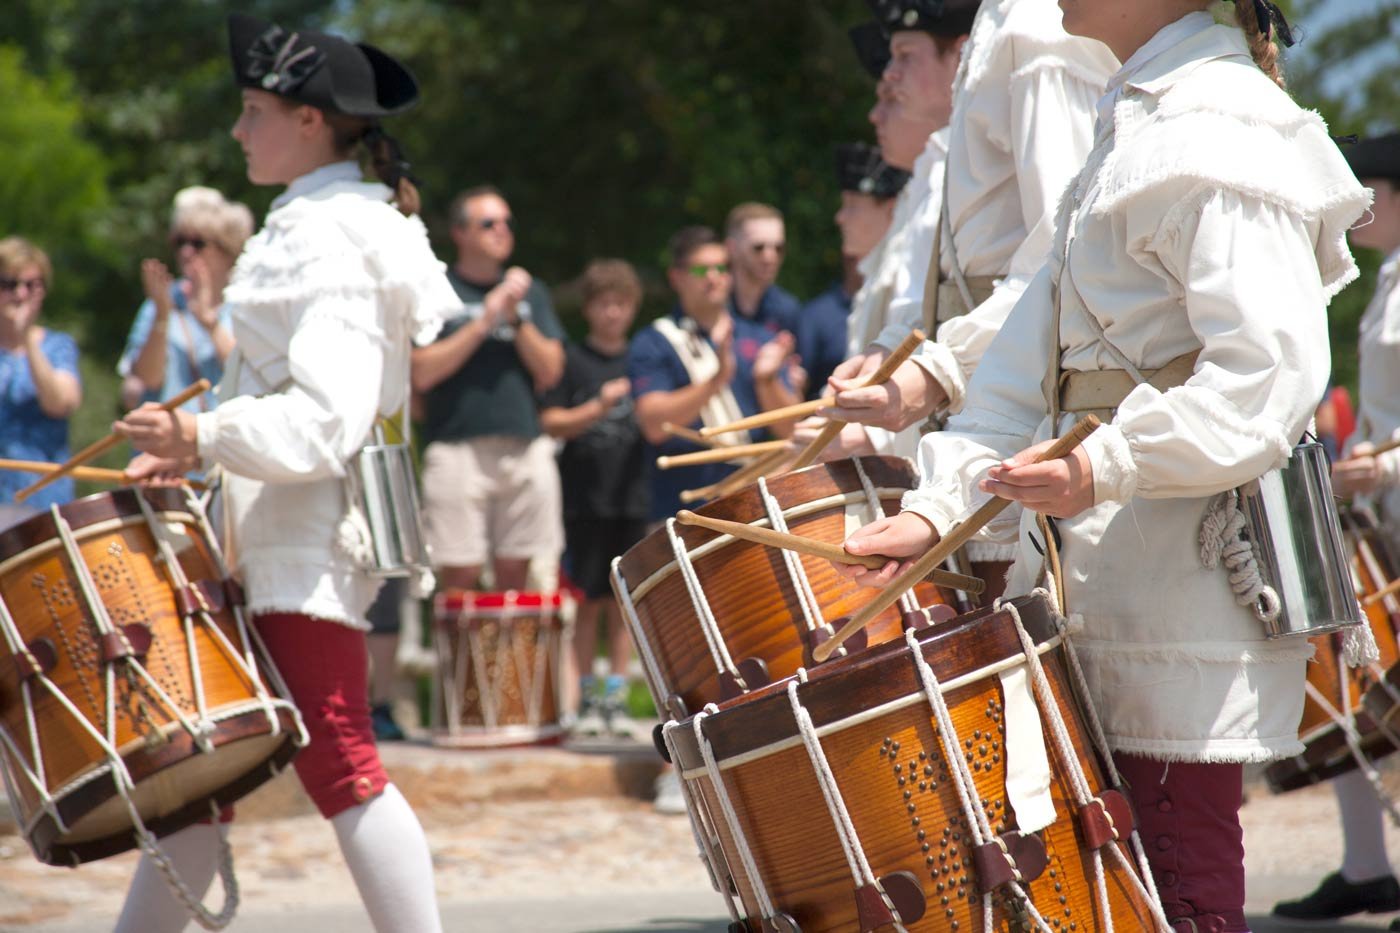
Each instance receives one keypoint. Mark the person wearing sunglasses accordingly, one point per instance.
(182, 332)
(490, 484)
(39, 383)
(757, 241)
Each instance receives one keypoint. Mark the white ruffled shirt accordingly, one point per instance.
(326, 299)
(895, 271)
(1378, 414)
(1022, 124)
(1211, 216)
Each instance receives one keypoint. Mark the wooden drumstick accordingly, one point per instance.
(1379, 449)
(686, 434)
(720, 454)
(736, 480)
(811, 546)
(906, 349)
(1389, 589)
(98, 448)
(956, 537)
(86, 474)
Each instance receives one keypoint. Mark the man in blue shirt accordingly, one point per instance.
(757, 243)
(700, 365)
(868, 189)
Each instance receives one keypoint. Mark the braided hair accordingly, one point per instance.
(386, 157)
(1259, 35)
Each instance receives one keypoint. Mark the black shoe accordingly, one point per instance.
(1338, 897)
(381, 719)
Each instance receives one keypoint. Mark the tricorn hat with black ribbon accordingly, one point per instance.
(872, 47)
(319, 69)
(950, 18)
(1377, 157)
(860, 168)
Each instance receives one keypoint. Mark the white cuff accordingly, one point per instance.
(943, 367)
(1111, 458)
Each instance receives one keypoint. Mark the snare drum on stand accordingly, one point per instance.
(916, 785)
(500, 658)
(714, 616)
(134, 696)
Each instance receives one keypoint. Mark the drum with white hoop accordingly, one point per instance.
(918, 785)
(135, 698)
(1348, 711)
(714, 616)
(500, 659)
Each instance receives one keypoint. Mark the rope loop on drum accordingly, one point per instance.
(639, 636)
(1346, 721)
(977, 823)
(731, 817)
(841, 821)
(706, 842)
(811, 609)
(1078, 778)
(708, 625)
(206, 918)
(907, 601)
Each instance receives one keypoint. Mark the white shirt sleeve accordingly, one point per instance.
(1253, 294)
(311, 430)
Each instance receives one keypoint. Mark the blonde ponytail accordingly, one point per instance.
(1259, 36)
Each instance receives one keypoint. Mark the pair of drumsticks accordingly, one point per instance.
(74, 467)
(770, 454)
(924, 567)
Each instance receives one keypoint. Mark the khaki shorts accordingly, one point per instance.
(492, 497)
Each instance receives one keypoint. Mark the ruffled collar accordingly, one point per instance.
(1166, 39)
(317, 179)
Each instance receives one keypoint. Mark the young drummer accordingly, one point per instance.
(1206, 228)
(326, 299)
(1365, 880)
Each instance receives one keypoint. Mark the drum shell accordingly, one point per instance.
(1297, 539)
(747, 586)
(887, 761)
(176, 783)
(387, 487)
(500, 668)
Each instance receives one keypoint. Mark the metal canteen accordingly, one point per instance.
(1297, 540)
(387, 488)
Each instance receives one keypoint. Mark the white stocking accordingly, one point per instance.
(388, 856)
(151, 907)
(1363, 829)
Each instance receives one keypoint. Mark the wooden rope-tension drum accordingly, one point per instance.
(915, 785)
(134, 695)
(714, 616)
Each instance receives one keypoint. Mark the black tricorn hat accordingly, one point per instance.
(872, 47)
(319, 69)
(1377, 157)
(860, 168)
(950, 18)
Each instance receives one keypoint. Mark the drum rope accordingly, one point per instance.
(741, 842)
(1347, 724)
(249, 636)
(977, 823)
(639, 637)
(1079, 781)
(841, 821)
(36, 775)
(708, 625)
(1080, 685)
(907, 602)
(802, 586)
(202, 915)
(705, 841)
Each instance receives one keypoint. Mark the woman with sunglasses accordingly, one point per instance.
(326, 300)
(39, 382)
(182, 332)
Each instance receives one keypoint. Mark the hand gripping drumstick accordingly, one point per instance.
(832, 552)
(956, 537)
(98, 448)
(906, 349)
(721, 454)
(802, 409)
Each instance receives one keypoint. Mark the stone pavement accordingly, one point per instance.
(550, 841)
